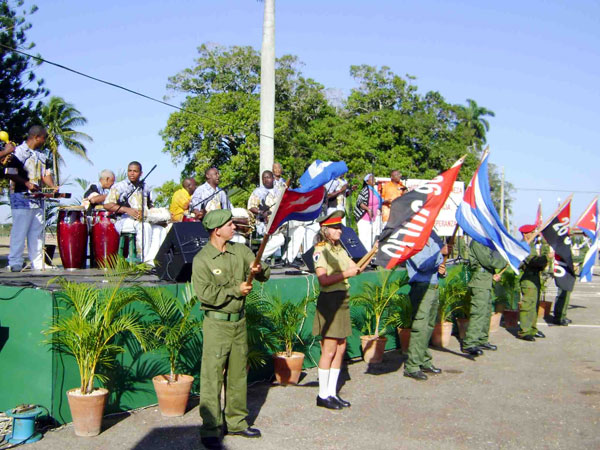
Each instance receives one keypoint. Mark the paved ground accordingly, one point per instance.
(541, 395)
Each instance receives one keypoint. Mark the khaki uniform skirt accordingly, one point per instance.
(332, 318)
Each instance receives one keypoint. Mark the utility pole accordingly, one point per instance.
(502, 197)
(267, 90)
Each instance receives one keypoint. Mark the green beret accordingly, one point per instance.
(216, 218)
(335, 218)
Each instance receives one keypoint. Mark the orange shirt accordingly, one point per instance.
(390, 192)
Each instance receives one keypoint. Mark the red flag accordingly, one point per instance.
(412, 217)
(589, 219)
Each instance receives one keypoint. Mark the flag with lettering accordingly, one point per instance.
(412, 217)
(588, 223)
(556, 234)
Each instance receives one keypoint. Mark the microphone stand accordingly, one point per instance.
(207, 199)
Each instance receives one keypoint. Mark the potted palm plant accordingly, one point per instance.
(286, 322)
(400, 318)
(452, 292)
(95, 317)
(172, 329)
(375, 299)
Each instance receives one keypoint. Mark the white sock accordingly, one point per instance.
(333, 379)
(323, 383)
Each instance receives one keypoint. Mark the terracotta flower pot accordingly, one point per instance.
(373, 348)
(172, 395)
(87, 410)
(544, 309)
(462, 324)
(441, 334)
(495, 322)
(511, 318)
(288, 368)
(404, 335)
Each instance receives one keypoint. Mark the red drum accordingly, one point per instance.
(188, 218)
(72, 236)
(105, 238)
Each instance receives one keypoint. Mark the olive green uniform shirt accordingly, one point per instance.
(217, 276)
(533, 265)
(334, 259)
(483, 261)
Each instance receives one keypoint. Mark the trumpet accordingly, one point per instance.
(4, 138)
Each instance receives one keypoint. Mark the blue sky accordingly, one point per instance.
(536, 64)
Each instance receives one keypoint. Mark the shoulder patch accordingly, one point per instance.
(316, 256)
(217, 271)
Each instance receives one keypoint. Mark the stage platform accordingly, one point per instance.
(32, 372)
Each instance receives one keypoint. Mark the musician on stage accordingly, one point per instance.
(260, 204)
(278, 180)
(9, 148)
(28, 173)
(180, 202)
(97, 192)
(125, 199)
(209, 197)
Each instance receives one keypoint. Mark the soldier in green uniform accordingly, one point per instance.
(484, 261)
(333, 267)
(219, 275)
(423, 270)
(561, 305)
(530, 282)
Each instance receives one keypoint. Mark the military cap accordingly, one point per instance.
(527, 228)
(335, 218)
(216, 218)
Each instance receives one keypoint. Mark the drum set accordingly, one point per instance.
(73, 230)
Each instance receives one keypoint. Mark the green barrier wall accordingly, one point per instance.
(30, 372)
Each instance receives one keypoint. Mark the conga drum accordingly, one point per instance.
(72, 236)
(105, 238)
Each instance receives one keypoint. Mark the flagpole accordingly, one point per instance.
(539, 230)
(267, 235)
(362, 263)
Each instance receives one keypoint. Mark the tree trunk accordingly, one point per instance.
(267, 89)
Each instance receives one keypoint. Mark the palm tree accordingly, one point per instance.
(60, 118)
(474, 120)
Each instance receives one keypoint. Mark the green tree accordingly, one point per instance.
(60, 118)
(474, 122)
(20, 90)
(165, 193)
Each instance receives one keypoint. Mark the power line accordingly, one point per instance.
(557, 190)
(118, 86)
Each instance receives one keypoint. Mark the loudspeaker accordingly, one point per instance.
(175, 256)
(349, 241)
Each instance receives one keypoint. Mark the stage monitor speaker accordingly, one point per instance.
(176, 254)
(349, 241)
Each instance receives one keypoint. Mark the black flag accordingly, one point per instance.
(556, 234)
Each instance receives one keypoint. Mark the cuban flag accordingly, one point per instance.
(477, 216)
(294, 205)
(588, 223)
(320, 173)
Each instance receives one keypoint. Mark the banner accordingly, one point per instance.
(556, 234)
(412, 217)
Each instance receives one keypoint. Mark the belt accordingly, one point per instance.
(227, 317)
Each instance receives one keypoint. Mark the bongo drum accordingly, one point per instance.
(72, 236)
(105, 238)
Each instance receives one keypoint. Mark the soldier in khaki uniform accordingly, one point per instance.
(530, 282)
(333, 267)
(484, 261)
(219, 276)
